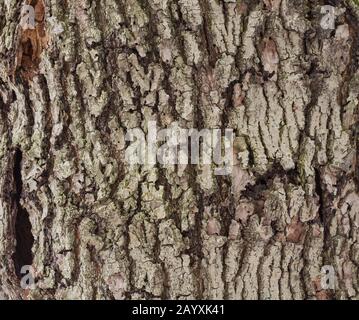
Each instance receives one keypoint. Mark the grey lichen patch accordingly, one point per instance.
(89, 73)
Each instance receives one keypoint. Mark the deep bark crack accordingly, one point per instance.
(24, 238)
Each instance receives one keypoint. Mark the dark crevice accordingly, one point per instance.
(265, 181)
(319, 192)
(326, 215)
(24, 238)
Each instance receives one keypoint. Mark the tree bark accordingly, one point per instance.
(93, 227)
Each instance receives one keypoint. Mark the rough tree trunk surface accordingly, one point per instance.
(93, 227)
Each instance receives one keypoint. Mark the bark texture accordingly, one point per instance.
(93, 227)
